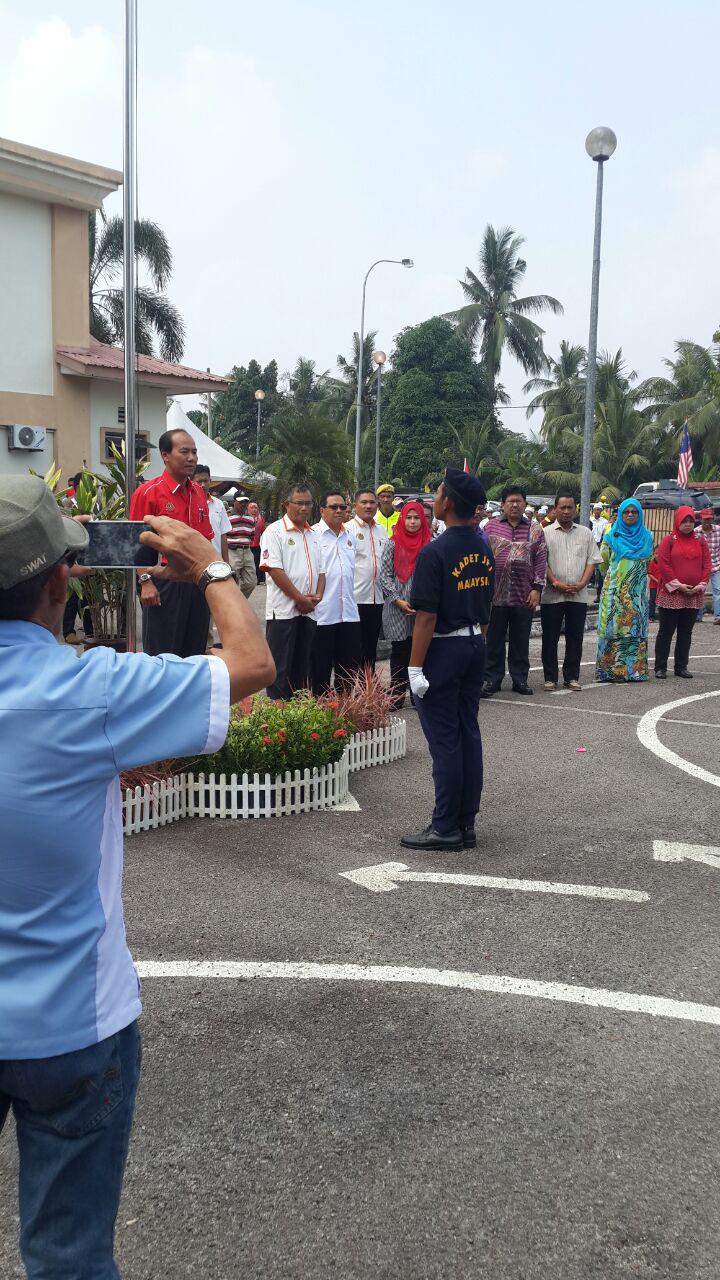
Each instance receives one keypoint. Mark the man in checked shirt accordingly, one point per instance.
(518, 545)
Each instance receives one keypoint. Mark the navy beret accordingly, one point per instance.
(460, 484)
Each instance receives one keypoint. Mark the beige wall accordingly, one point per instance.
(67, 410)
(26, 338)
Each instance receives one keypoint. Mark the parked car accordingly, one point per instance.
(666, 493)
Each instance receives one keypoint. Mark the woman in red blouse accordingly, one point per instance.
(260, 526)
(683, 563)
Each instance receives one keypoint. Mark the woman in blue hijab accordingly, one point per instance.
(622, 652)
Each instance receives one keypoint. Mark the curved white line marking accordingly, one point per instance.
(622, 1001)
(647, 733)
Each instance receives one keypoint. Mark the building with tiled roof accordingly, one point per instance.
(54, 377)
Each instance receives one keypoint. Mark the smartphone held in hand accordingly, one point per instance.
(115, 544)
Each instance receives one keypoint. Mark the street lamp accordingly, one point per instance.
(600, 145)
(400, 262)
(259, 396)
(379, 359)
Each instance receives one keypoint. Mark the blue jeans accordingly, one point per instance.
(715, 588)
(73, 1115)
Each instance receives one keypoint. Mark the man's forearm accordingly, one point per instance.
(244, 648)
(422, 635)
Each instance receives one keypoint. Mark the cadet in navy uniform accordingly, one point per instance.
(452, 594)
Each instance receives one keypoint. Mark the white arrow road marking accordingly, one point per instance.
(387, 875)
(494, 984)
(667, 851)
(647, 733)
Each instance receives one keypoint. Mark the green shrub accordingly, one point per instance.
(272, 737)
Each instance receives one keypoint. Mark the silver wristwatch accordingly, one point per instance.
(217, 571)
(145, 577)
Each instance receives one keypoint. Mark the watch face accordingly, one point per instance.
(218, 569)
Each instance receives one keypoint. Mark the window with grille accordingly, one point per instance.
(117, 438)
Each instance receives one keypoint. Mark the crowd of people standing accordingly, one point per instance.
(336, 585)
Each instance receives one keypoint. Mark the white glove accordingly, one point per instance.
(418, 682)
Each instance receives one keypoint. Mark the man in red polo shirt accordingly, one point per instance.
(175, 617)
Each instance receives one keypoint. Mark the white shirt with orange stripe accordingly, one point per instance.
(369, 540)
(298, 552)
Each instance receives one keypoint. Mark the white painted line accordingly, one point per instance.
(670, 851)
(494, 984)
(526, 705)
(386, 876)
(647, 733)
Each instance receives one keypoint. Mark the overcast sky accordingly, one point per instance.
(284, 146)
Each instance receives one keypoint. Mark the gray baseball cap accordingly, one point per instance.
(34, 533)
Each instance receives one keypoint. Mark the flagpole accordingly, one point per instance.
(129, 213)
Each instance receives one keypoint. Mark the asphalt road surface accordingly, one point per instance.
(411, 1115)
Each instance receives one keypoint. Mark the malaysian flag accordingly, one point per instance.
(686, 461)
(466, 468)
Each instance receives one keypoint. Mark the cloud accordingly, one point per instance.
(63, 91)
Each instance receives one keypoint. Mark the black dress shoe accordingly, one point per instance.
(684, 675)
(523, 688)
(489, 690)
(661, 675)
(432, 839)
(469, 839)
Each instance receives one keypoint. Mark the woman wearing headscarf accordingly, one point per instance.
(622, 652)
(400, 553)
(684, 569)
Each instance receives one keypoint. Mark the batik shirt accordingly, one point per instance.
(520, 559)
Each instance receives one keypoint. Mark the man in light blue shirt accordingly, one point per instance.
(69, 994)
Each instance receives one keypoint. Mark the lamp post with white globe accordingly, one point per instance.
(259, 396)
(600, 145)
(400, 262)
(379, 359)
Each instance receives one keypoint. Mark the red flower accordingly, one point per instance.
(315, 737)
(267, 741)
(339, 733)
(333, 705)
(281, 735)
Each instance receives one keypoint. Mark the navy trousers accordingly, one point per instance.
(449, 718)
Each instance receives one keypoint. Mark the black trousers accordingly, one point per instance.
(513, 621)
(179, 624)
(670, 619)
(449, 719)
(399, 659)
(256, 557)
(290, 641)
(335, 648)
(370, 624)
(552, 617)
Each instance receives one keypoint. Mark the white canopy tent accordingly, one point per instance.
(223, 465)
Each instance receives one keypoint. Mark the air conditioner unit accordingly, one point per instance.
(32, 438)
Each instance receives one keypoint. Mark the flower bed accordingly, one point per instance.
(212, 795)
(278, 758)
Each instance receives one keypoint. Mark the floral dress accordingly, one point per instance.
(622, 651)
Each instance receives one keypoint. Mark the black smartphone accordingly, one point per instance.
(115, 544)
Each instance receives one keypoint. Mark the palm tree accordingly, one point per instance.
(344, 389)
(560, 393)
(623, 447)
(154, 313)
(302, 446)
(494, 315)
(688, 394)
(308, 389)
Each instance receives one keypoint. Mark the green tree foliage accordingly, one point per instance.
(343, 390)
(692, 393)
(494, 316)
(302, 447)
(235, 410)
(435, 387)
(156, 317)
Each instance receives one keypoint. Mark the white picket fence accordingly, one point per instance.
(145, 808)
(260, 795)
(378, 746)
